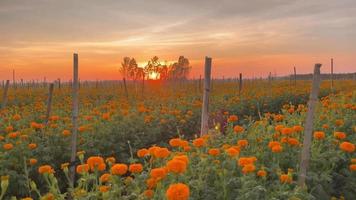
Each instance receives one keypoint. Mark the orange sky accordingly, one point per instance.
(38, 37)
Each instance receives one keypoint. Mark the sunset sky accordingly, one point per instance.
(255, 37)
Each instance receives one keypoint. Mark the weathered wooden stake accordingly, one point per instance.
(332, 73)
(13, 78)
(4, 96)
(205, 109)
(240, 84)
(49, 102)
(305, 156)
(295, 77)
(75, 111)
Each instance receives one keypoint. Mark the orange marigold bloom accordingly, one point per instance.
(151, 183)
(353, 160)
(105, 178)
(158, 173)
(287, 131)
(233, 118)
(187, 148)
(214, 152)
(32, 146)
(273, 143)
(135, 168)
(325, 126)
(278, 127)
(33, 161)
(176, 166)
(8, 146)
(293, 141)
(104, 188)
(199, 142)
(119, 169)
(298, 128)
(66, 132)
(243, 161)
(248, 168)
(183, 158)
(9, 129)
(340, 135)
(110, 160)
(161, 152)
(178, 191)
(175, 142)
(13, 135)
(261, 173)
(149, 193)
(96, 162)
(319, 135)
(277, 148)
(16, 117)
(347, 147)
(45, 169)
(352, 167)
(339, 122)
(232, 151)
(82, 168)
(242, 143)
(238, 129)
(142, 153)
(152, 150)
(285, 178)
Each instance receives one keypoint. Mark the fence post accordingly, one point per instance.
(240, 84)
(295, 76)
(75, 111)
(205, 109)
(332, 73)
(4, 96)
(313, 98)
(49, 102)
(126, 92)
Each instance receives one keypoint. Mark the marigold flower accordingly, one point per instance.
(96, 162)
(277, 148)
(104, 188)
(176, 166)
(278, 128)
(142, 153)
(119, 169)
(298, 128)
(8, 146)
(45, 169)
(158, 173)
(105, 178)
(16, 117)
(232, 151)
(287, 131)
(110, 160)
(183, 158)
(152, 150)
(199, 142)
(66, 133)
(232, 118)
(261, 173)
(285, 178)
(32, 161)
(319, 135)
(9, 129)
(161, 152)
(135, 168)
(175, 142)
(339, 122)
(13, 135)
(352, 167)
(32, 146)
(293, 141)
(243, 161)
(340, 135)
(214, 152)
(273, 143)
(238, 129)
(248, 168)
(347, 147)
(242, 143)
(178, 191)
(151, 183)
(149, 193)
(82, 168)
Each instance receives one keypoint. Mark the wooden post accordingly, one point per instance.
(59, 83)
(199, 83)
(295, 77)
(313, 99)
(126, 92)
(13, 78)
(75, 111)
(332, 73)
(240, 84)
(4, 96)
(205, 110)
(49, 102)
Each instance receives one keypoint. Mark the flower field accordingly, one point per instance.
(147, 145)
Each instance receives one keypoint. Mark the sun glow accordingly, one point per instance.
(153, 76)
